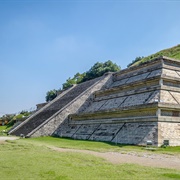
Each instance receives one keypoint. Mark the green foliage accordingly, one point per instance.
(11, 123)
(173, 52)
(136, 60)
(50, 95)
(12, 118)
(25, 113)
(97, 70)
(75, 80)
(19, 116)
(69, 82)
(172, 175)
(3, 130)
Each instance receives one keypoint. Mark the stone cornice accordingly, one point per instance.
(114, 112)
(170, 59)
(115, 120)
(159, 60)
(118, 112)
(127, 86)
(143, 65)
(169, 88)
(169, 106)
(170, 78)
(169, 119)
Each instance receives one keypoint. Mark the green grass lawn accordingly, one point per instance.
(98, 146)
(31, 159)
(2, 128)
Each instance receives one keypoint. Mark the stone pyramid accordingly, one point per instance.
(141, 104)
(134, 106)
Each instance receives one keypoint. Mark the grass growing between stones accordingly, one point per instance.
(99, 146)
(23, 160)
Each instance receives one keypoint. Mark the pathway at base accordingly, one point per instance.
(144, 159)
(4, 138)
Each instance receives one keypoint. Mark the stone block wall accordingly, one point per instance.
(169, 131)
(124, 133)
(137, 133)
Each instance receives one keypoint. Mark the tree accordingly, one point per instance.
(99, 69)
(25, 113)
(50, 95)
(69, 83)
(75, 80)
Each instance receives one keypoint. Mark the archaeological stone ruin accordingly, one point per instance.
(136, 105)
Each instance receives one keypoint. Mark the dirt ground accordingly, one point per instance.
(4, 138)
(144, 159)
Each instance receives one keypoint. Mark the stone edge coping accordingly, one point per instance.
(126, 86)
(147, 63)
(125, 120)
(123, 110)
(138, 83)
(142, 107)
(103, 95)
(115, 120)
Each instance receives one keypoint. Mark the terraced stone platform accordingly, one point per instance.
(142, 104)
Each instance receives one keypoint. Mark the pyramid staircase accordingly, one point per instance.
(48, 118)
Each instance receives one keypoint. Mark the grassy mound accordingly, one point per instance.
(173, 52)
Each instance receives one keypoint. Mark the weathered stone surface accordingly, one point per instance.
(169, 131)
(166, 97)
(106, 132)
(137, 133)
(171, 73)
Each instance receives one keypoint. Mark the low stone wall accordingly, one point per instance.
(138, 133)
(124, 133)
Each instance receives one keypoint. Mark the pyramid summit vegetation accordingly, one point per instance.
(97, 70)
(173, 52)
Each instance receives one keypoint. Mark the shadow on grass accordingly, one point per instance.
(104, 142)
(163, 149)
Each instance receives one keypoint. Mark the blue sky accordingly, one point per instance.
(42, 43)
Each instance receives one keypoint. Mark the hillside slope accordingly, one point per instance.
(173, 52)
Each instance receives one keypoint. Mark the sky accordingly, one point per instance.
(44, 42)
